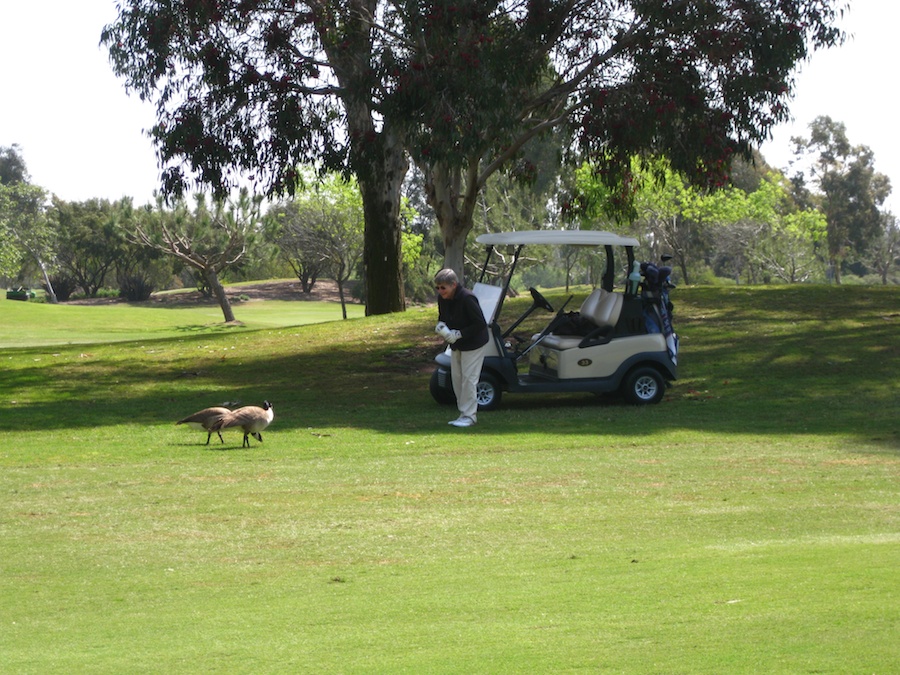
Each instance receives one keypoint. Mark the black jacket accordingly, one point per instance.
(463, 313)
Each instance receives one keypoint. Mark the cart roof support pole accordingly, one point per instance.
(487, 260)
(512, 270)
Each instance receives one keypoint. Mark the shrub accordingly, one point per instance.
(135, 288)
(63, 286)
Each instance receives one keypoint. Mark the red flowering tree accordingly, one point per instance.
(462, 86)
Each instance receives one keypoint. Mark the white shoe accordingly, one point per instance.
(463, 422)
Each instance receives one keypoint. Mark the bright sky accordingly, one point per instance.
(82, 136)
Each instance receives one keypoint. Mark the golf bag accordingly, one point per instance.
(657, 307)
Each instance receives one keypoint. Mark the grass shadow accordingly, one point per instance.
(744, 370)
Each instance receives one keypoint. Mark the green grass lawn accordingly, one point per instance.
(28, 324)
(747, 524)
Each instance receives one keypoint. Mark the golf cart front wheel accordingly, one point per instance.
(488, 392)
(644, 385)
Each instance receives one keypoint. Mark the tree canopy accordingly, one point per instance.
(90, 241)
(209, 239)
(261, 86)
(850, 191)
(12, 166)
(321, 231)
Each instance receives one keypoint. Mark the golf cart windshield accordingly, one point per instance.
(518, 240)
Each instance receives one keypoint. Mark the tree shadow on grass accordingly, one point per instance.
(742, 373)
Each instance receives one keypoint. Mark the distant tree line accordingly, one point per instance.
(822, 223)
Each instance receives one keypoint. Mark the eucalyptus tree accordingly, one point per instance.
(461, 87)
(884, 255)
(27, 227)
(26, 224)
(698, 82)
(12, 165)
(258, 88)
(846, 187)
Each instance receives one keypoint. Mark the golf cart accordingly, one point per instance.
(617, 341)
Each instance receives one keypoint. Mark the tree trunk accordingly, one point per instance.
(340, 278)
(50, 292)
(377, 156)
(453, 198)
(455, 255)
(212, 278)
(381, 174)
(340, 285)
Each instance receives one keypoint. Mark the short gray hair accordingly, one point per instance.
(446, 276)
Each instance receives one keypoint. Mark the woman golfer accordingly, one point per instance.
(461, 323)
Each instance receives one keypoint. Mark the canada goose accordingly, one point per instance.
(252, 419)
(204, 419)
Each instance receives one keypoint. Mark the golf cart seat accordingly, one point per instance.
(601, 308)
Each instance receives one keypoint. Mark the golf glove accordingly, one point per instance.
(442, 330)
(454, 336)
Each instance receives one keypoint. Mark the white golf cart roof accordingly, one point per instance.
(556, 237)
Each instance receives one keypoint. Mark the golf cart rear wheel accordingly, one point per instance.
(441, 394)
(644, 385)
(488, 392)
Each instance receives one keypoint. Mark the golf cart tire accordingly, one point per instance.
(440, 394)
(644, 385)
(488, 392)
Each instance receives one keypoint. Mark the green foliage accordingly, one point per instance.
(365, 535)
(27, 230)
(10, 255)
(321, 231)
(209, 240)
(417, 276)
(758, 235)
(90, 240)
(850, 191)
(884, 256)
(12, 166)
(462, 88)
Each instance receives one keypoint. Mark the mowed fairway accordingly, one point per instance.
(750, 523)
(35, 324)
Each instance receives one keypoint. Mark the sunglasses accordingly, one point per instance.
(441, 288)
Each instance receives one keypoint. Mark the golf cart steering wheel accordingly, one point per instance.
(540, 300)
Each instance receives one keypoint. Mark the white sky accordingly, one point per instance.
(82, 136)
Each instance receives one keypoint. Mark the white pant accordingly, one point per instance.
(465, 371)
